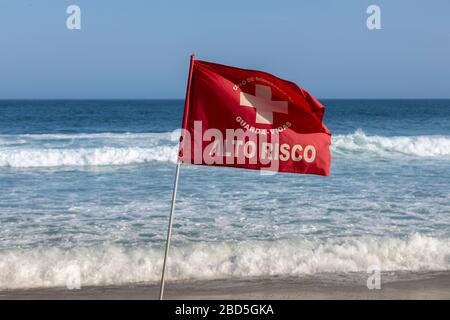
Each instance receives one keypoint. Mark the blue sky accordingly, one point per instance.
(140, 49)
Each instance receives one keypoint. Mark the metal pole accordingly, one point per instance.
(169, 230)
(175, 184)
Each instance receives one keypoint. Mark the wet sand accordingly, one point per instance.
(325, 286)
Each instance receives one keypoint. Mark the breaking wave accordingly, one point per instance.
(417, 146)
(98, 149)
(108, 149)
(114, 265)
(105, 156)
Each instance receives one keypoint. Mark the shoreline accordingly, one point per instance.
(426, 285)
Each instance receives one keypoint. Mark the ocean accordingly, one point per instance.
(85, 187)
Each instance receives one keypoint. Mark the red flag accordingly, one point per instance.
(251, 119)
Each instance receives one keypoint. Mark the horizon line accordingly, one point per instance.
(142, 99)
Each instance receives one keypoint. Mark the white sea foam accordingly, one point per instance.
(114, 265)
(103, 149)
(417, 146)
(85, 149)
(104, 156)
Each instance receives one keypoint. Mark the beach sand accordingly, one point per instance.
(428, 285)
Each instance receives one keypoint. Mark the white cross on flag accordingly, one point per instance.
(262, 102)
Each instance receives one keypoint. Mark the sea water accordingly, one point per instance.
(85, 187)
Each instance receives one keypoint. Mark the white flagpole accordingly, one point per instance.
(175, 184)
(169, 230)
